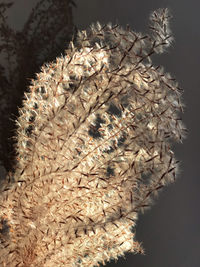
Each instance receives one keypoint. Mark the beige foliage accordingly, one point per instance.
(93, 147)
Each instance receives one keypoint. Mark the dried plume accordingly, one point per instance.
(93, 148)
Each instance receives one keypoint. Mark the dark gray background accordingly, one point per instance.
(170, 231)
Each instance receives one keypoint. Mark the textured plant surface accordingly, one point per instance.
(93, 148)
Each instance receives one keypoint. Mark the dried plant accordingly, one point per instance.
(93, 148)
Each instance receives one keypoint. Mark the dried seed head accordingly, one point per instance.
(93, 147)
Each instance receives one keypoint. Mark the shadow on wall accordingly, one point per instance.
(41, 38)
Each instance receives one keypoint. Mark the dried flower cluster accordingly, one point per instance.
(93, 148)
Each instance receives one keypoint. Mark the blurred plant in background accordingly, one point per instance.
(93, 140)
(45, 35)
